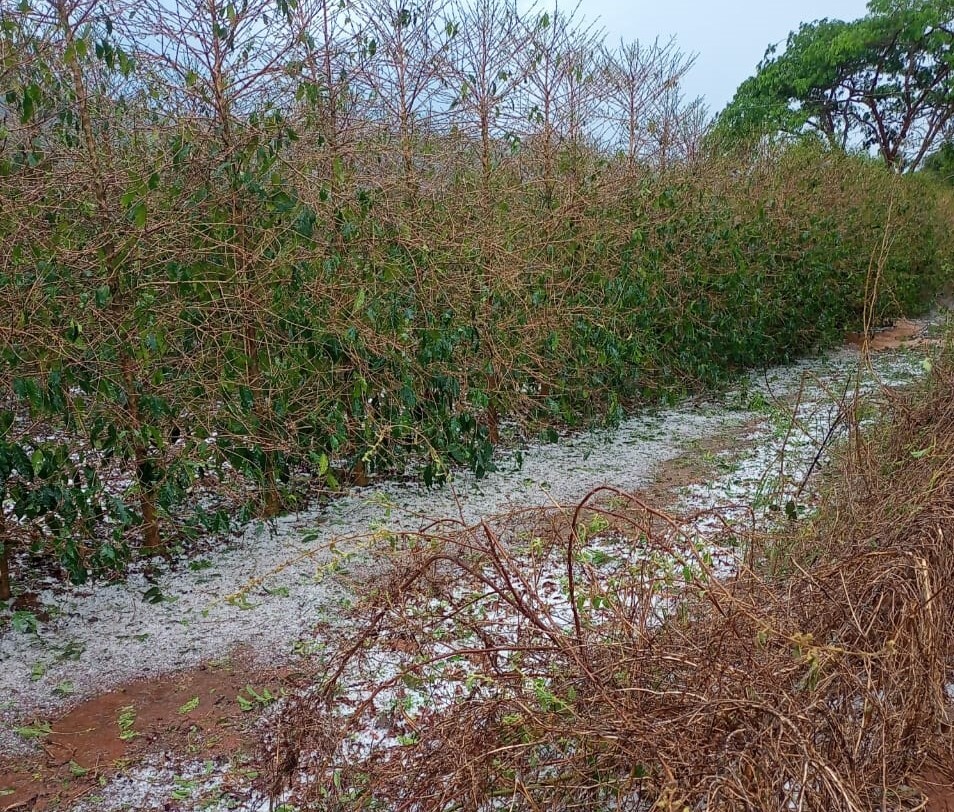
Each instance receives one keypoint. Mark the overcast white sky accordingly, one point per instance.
(729, 36)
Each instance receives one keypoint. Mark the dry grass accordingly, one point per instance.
(526, 665)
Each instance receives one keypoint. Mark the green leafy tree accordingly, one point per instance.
(940, 163)
(882, 82)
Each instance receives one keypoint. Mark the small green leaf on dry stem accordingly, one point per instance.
(126, 720)
(37, 730)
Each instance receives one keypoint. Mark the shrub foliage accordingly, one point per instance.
(253, 249)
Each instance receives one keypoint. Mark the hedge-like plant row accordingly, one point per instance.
(209, 316)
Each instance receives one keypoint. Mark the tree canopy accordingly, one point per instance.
(880, 83)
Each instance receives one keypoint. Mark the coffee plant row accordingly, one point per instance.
(254, 250)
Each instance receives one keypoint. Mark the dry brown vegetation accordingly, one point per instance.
(816, 676)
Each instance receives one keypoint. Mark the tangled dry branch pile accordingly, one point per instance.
(600, 659)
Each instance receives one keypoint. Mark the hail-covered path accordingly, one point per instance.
(268, 588)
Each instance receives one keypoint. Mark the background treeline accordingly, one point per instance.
(250, 249)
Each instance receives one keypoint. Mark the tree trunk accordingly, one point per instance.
(5, 593)
(485, 156)
(145, 479)
(492, 414)
(151, 538)
(272, 501)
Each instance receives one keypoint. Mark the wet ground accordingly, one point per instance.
(110, 701)
(195, 713)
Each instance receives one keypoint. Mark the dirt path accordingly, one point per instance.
(223, 623)
(206, 714)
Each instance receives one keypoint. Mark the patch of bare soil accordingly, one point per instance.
(937, 784)
(698, 464)
(903, 333)
(195, 712)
